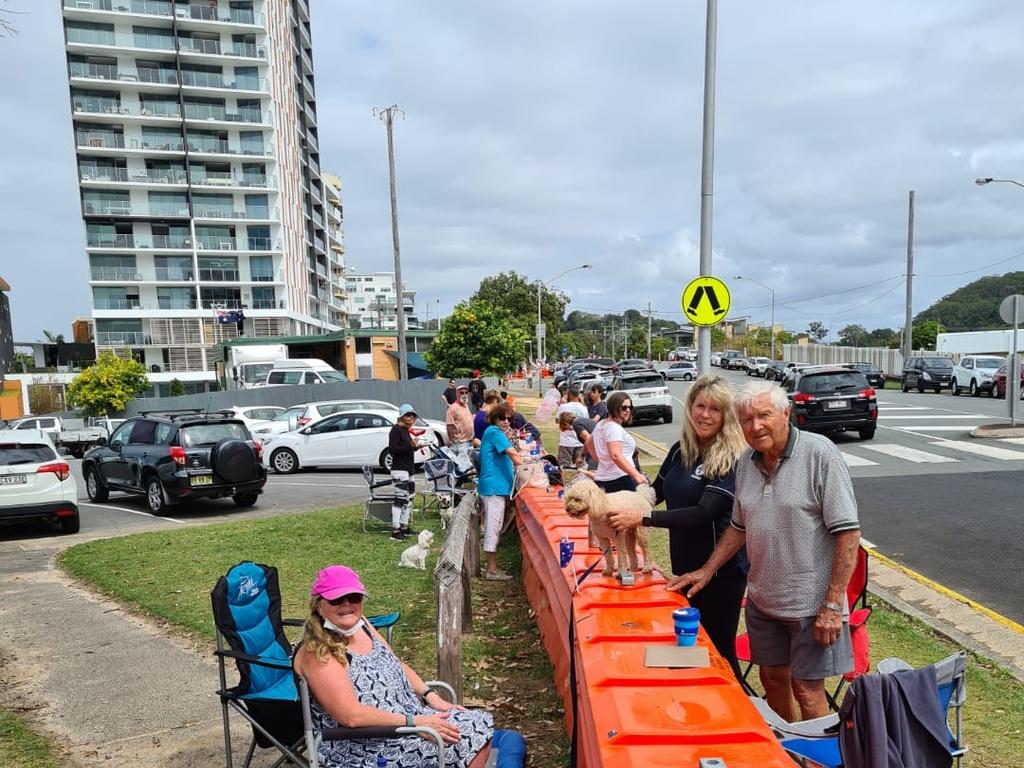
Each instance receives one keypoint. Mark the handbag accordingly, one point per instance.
(530, 475)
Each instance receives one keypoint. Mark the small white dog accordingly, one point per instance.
(583, 498)
(416, 555)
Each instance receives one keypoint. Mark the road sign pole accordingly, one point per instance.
(1013, 369)
(707, 174)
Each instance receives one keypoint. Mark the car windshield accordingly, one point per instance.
(989, 363)
(333, 376)
(25, 453)
(824, 383)
(256, 372)
(866, 368)
(938, 364)
(207, 434)
(642, 382)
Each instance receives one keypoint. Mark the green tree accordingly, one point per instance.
(518, 297)
(54, 338)
(816, 330)
(923, 334)
(108, 386)
(717, 339)
(480, 335)
(884, 337)
(176, 388)
(853, 335)
(660, 347)
(23, 362)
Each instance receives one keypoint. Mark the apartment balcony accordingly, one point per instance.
(111, 111)
(115, 274)
(264, 304)
(223, 304)
(210, 114)
(220, 148)
(222, 15)
(175, 274)
(117, 208)
(216, 82)
(201, 211)
(214, 48)
(155, 46)
(175, 305)
(120, 242)
(122, 338)
(149, 76)
(171, 242)
(161, 8)
(219, 275)
(101, 176)
(225, 179)
(116, 304)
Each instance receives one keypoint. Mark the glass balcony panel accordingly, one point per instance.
(114, 273)
(103, 240)
(166, 303)
(116, 304)
(219, 275)
(172, 241)
(175, 273)
(121, 338)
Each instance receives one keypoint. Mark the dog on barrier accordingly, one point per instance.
(416, 555)
(584, 498)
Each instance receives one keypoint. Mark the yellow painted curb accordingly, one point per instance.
(999, 618)
(657, 446)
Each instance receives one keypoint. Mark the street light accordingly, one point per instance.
(990, 180)
(540, 285)
(772, 292)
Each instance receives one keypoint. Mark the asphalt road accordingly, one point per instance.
(931, 497)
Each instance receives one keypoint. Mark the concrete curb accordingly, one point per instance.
(998, 430)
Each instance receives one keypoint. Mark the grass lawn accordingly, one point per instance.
(20, 748)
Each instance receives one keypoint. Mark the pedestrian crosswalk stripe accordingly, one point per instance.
(910, 454)
(981, 449)
(891, 407)
(857, 461)
(1012, 440)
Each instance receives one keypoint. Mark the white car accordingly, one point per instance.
(716, 358)
(686, 371)
(34, 481)
(299, 416)
(346, 439)
(254, 416)
(976, 374)
(649, 393)
(756, 366)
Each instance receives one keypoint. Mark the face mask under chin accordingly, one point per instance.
(343, 632)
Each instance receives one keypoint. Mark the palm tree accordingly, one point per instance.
(54, 338)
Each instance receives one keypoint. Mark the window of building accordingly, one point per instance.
(91, 33)
(107, 201)
(259, 238)
(220, 206)
(262, 298)
(176, 298)
(161, 138)
(251, 142)
(152, 37)
(168, 204)
(221, 298)
(261, 268)
(173, 267)
(218, 268)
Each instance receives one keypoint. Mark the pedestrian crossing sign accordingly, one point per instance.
(706, 300)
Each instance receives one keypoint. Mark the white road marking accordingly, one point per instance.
(857, 461)
(319, 484)
(929, 416)
(866, 544)
(892, 407)
(1012, 440)
(909, 454)
(958, 428)
(980, 449)
(132, 511)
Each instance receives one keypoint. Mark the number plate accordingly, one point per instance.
(201, 480)
(13, 480)
(836, 405)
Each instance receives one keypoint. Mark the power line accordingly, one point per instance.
(880, 296)
(976, 269)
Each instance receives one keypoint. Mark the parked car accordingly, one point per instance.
(35, 482)
(928, 372)
(73, 441)
(727, 356)
(299, 416)
(253, 416)
(757, 366)
(649, 393)
(302, 371)
(633, 364)
(686, 371)
(716, 358)
(833, 399)
(776, 371)
(584, 379)
(1000, 381)
(874, 374)
(735, 362)
(177, 457)
(345, 439)
(975, 373)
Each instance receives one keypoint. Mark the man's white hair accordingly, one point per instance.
(746, 397)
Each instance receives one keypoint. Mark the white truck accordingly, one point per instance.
(74, 441)
(246, 365)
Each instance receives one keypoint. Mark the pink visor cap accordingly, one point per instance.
(336, 580)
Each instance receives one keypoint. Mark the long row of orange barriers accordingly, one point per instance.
(630, 716)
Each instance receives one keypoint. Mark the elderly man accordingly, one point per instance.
(459, 422)
(795, 510)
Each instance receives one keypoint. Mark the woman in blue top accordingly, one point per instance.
(697, 482)
(498, 460)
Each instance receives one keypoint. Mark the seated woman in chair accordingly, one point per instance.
(356, 680)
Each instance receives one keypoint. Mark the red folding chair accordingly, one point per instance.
(857, 599)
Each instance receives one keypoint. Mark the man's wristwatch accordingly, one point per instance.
(836, 607)
(646, 520)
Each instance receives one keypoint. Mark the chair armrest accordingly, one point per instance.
(258, 660)
(293, 622)
(819, 728)
(892, 664)
(386, 732)
(441, 685)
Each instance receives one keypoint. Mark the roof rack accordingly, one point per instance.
(188, 413)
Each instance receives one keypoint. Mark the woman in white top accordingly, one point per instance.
(614, 446)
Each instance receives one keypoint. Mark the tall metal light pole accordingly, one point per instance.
(387, 114)
(908, 323)
(540, 336)
(707, 173)
(983, 182)
(772, 292)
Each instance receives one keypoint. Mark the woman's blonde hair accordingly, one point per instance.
(317, 640)
(728, 444)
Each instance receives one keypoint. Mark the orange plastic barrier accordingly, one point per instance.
(631, 715)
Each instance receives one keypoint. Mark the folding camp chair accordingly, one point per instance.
(857, 599)
(377, 507)
(441, 493)
(816, 742)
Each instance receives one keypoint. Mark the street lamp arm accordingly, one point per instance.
(990, 180)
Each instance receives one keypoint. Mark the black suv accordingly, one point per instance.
(874, 374)
(171, 457)
(833, 400)
(934, 373)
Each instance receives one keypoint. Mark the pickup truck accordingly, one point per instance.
(73, 441)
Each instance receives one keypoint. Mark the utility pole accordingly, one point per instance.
(387, 114)
(648, 330)
(908, 331)
(707, 173)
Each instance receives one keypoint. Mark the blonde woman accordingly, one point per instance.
(697, 481)
(356, 680)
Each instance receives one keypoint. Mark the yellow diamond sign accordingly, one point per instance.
(706, 301)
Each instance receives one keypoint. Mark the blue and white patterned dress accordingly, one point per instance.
(380, 682)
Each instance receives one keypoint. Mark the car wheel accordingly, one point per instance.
(386, 460)
(938, 390)
(866, 433)
(687, 377)
(285, 461)
(94, 486)
(70, 524)
(903, 386)
(245, 499)
(156, 501)
(954, 390)
(920, 388)
(666, 416)
(974, 389)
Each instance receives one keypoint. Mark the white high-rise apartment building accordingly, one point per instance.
(372, 302)
(196, 136)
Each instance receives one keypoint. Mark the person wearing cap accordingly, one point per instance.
(356, 680)
(459, 422)
(476, 391)
(402, 446)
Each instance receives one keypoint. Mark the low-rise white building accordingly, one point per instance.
(372, 301)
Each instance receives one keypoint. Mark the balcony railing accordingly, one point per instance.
(150, 7)
(209, 112)
(219, 275)
(262, 277)
(99, 140)
(98, 240)
(113, 39)
(216, 212)
(158, 145)
(114, 273)
(116, 304)
(165, 303)
(172, 241)
(233, 15)
(222, 147)
(214, 80)
(222, 304)
(93, 173)
(121, 338)
(111, 72)
(214, 48)
(262, 244)
(107, 107)
(175, 273)
(217, 243)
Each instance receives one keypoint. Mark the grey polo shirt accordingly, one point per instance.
(790, 517)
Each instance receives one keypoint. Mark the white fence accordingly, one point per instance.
(889, 360)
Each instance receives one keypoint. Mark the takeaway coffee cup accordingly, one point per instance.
(686, 622)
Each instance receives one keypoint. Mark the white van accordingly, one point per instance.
(308, 370)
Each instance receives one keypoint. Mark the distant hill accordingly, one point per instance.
(975, 306)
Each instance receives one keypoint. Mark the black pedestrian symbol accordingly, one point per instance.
(698, 296)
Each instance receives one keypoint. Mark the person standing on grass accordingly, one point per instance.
(459, 422)
(614, 447)
(402, 447)
(498, 460)
(476, 391)
(450, 394)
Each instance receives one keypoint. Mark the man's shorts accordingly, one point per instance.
(790, 642)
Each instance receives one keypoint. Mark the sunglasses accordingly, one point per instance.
(505, 418)
(355, 599)
(625, 407)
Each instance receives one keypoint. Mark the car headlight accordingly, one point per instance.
(926, 376)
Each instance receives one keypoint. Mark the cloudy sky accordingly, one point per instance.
(541, 135)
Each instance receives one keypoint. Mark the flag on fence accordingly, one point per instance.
(226, 316)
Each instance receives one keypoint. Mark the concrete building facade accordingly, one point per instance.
(373, 304)
(6, 330)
